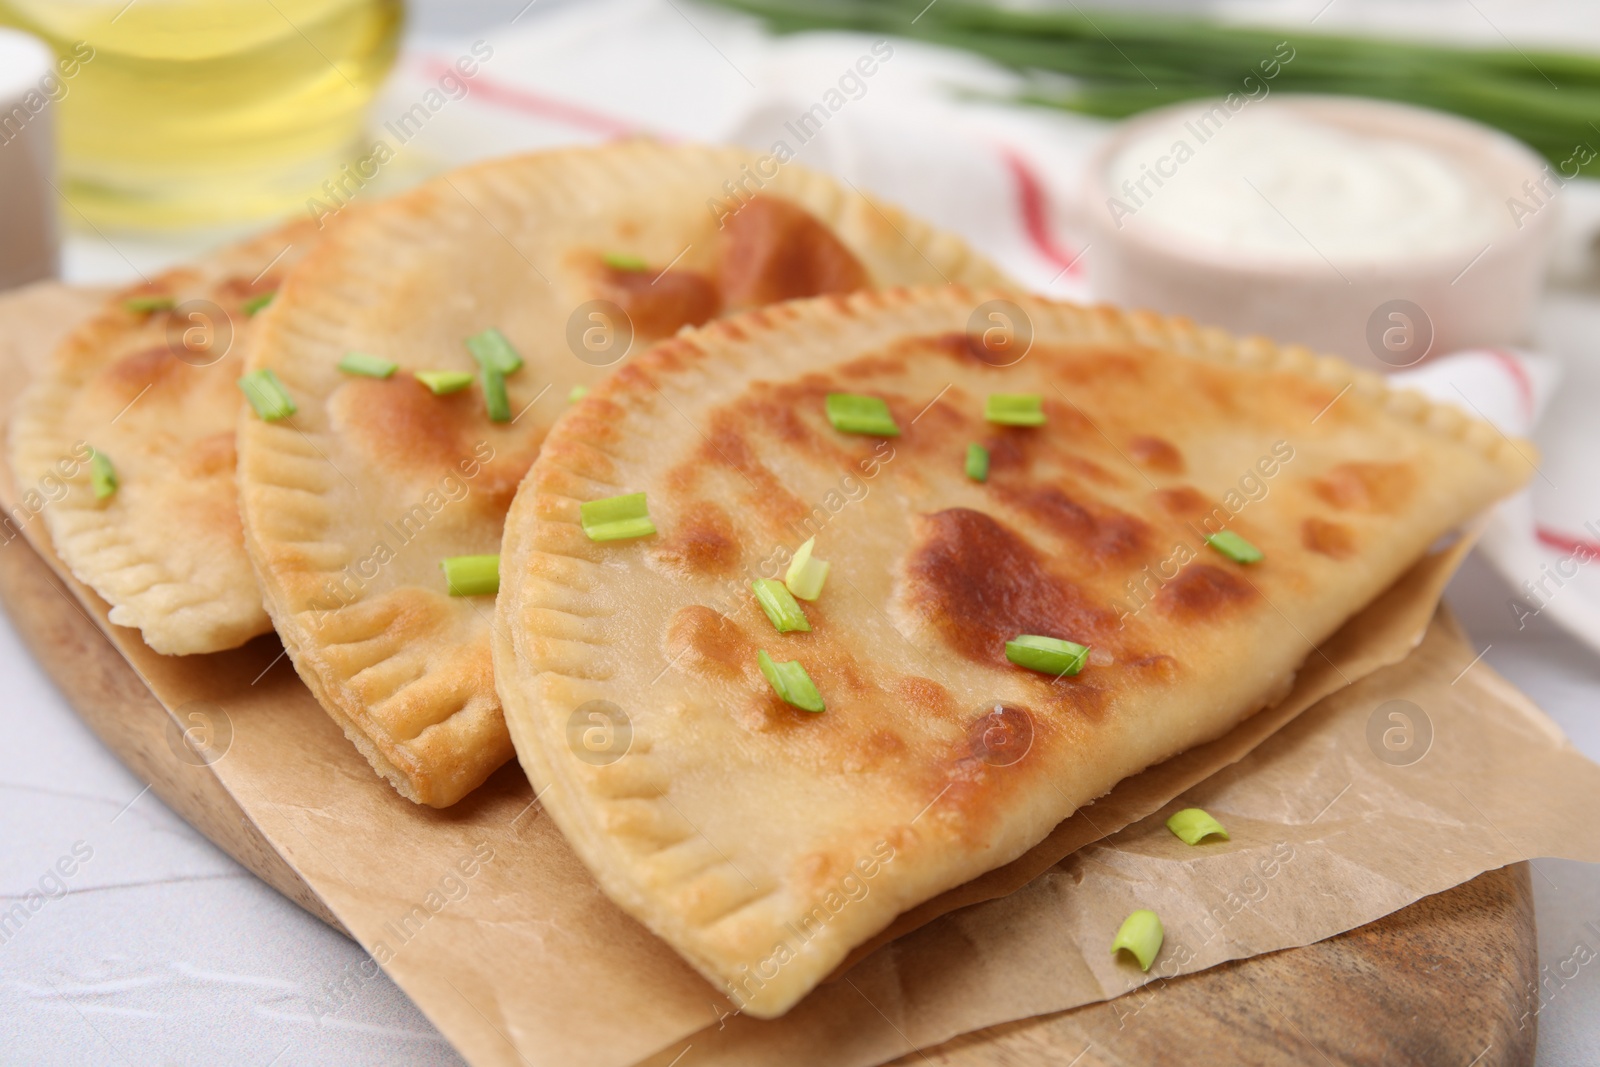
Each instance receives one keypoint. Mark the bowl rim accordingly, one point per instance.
(1471, 139)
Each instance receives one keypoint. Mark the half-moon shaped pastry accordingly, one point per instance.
(556, 267)
(149, 383)
(1060, 548)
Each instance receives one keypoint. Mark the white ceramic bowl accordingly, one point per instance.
(1463, 301)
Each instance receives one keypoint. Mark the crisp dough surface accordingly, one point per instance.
(351, 504)
(155, 393)
(763, 842)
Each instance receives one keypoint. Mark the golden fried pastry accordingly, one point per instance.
(149, 384)
(558, 266)
(1059, 549)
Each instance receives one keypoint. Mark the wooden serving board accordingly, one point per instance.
(1449, 980)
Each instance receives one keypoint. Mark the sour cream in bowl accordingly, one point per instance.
(1377, 231)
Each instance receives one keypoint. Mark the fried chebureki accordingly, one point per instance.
(1195, 512)
(576, 258)
(149, 383)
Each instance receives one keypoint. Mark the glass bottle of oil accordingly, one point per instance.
(197, 112)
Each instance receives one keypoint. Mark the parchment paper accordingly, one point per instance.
(486, 919)
(1326, 835)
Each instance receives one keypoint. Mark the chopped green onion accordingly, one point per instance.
(257, 302)
(977, 463)
(854, 413)
(1194, 825)
(1050, 655)
(267, 395)
(577, 393)
(144, 305)
(1235, 547)
(791, 682)
(493, 352)
(494, 396)
(780, 605)
(1141, 934)
(367, 366)
(624, 261)
(1014, 409)
(617, 518)
(472, 575)
(805, 574)
(444, 382)
(102, 475)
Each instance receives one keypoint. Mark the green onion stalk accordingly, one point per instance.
(1117, 64)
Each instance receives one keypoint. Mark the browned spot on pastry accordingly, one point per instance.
(1089, 470)
(726, 445)
(1328, 538)
(829, 882)
(774, 250)
(871, 752)
(1156, 454)
(923, 695)
(1181, 500)
(407, 429)
(980, 584)
(658, 305)
(132, 375)
(875, 366)
(1201, 590)
(1159, 665)
(409, 424)
(989, 350)
(709, 643)
(794, 413)
(498, 479)
(1009, 451)
(210, 456)
(236, 289)
(1103, 532)
(1382, 487)
(705, 542)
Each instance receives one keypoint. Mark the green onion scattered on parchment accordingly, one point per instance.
(1141, 934)
(1120, 63)
(1194, 825)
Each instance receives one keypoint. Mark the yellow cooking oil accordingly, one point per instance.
(200, 112)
